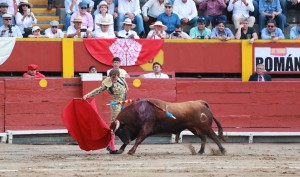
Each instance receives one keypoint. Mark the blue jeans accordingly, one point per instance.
(255, 13)
(193, 22)
(137, 19)
(214, 20)
(68, 21)
(280, 21)
(50, 1)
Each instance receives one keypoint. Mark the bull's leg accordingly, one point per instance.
(214, 137)
(144, 133)
(122, 148)
(203, 142)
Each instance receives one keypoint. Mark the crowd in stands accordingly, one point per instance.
(156, 19)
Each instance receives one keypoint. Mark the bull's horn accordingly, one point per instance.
(117, 126)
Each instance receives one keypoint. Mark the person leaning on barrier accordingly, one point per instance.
(295, 31)
(221, 32)
(92, 69)
(157, 72)
(103, 31)
(246, 32)
(272, 32)
(200, 31)
(32, 73)
(36, 33)
(54, 31)
(260, 76)
(9, 30)
(127, 32)
(179, 33)
(78, 30)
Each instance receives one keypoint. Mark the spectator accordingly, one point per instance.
(87, 18)
(103, 31)
(78, 30)
(103, 7)
(213, 10)
(200, 31)
(111, 8)
(240, 11)
(271, 9)
(32, 73)
(92, 69)
(25, 18)
(51, 3)
(151, 10)
(246, 32)
(260, 76)
(116, 66)
(54, 31)
(127, 32)
(7, 29)
(12, 6)
(36, 33)
(272, 32)
(295, 31)
(179, 33)
(187, 12)
(159, 31)
(117, 87)
(71, 6)
(4, 10)
(221, 32)
(131, 9)
(169, 18)
(157, 72)
(293, 4)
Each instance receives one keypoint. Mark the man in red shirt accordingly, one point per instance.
(32, 73)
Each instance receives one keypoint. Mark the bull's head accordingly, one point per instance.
(121, 131)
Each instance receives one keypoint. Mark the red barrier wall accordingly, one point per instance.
(240, 106)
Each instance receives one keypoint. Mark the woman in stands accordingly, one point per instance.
(25, 18)
(158, 32)
(103, 8)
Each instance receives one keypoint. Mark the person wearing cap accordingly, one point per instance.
(71, 6)
(12, 6)
(158, 32)
(87, 18)
(169, 18)
(127, 32)
(179, 33)
(103, 7)
(54, 31)
(246, 32)
(221, 32)
(103, 31)
(36, 33)
(187, 12)
(200, 31)
(25, 18)
(240, 11)
(78, 30)
(32, 73)
(7, 29)
(213, 11)
(295, 31)
(131, 9)
(151, 10)
(4, 10)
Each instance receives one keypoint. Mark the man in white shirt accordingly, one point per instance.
(54, 31)
(240, 10)
(157, 72)
(103, 31)
(7, 29)
(127, 32)
(187, 12)
(116, 65)
(78, 30)
(151, 10)
(71, 6)
(130, 9)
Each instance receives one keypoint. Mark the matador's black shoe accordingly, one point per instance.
(114, 152)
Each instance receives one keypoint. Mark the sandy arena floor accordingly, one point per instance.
(163, 160)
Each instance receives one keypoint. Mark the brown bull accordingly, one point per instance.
(146, 117)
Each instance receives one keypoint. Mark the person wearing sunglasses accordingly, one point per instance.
(3, 10)
(272, 32)
(127, 32)
(54, 31)
(87, 18)
(36, 33)
(169, 18)
(7, 29)
(179, 33)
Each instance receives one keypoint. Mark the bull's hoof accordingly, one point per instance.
(130, 152)
(200, 152)
(114, 152)
(120, 151)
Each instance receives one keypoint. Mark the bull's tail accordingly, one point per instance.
(220, 129)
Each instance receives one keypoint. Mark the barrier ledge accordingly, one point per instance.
(3, 137)
(249, 134)
(11, 133)
(39, 39)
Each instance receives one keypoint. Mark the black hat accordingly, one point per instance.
(3, 4)
(201, 19)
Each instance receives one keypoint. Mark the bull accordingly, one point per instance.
(148, 117)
